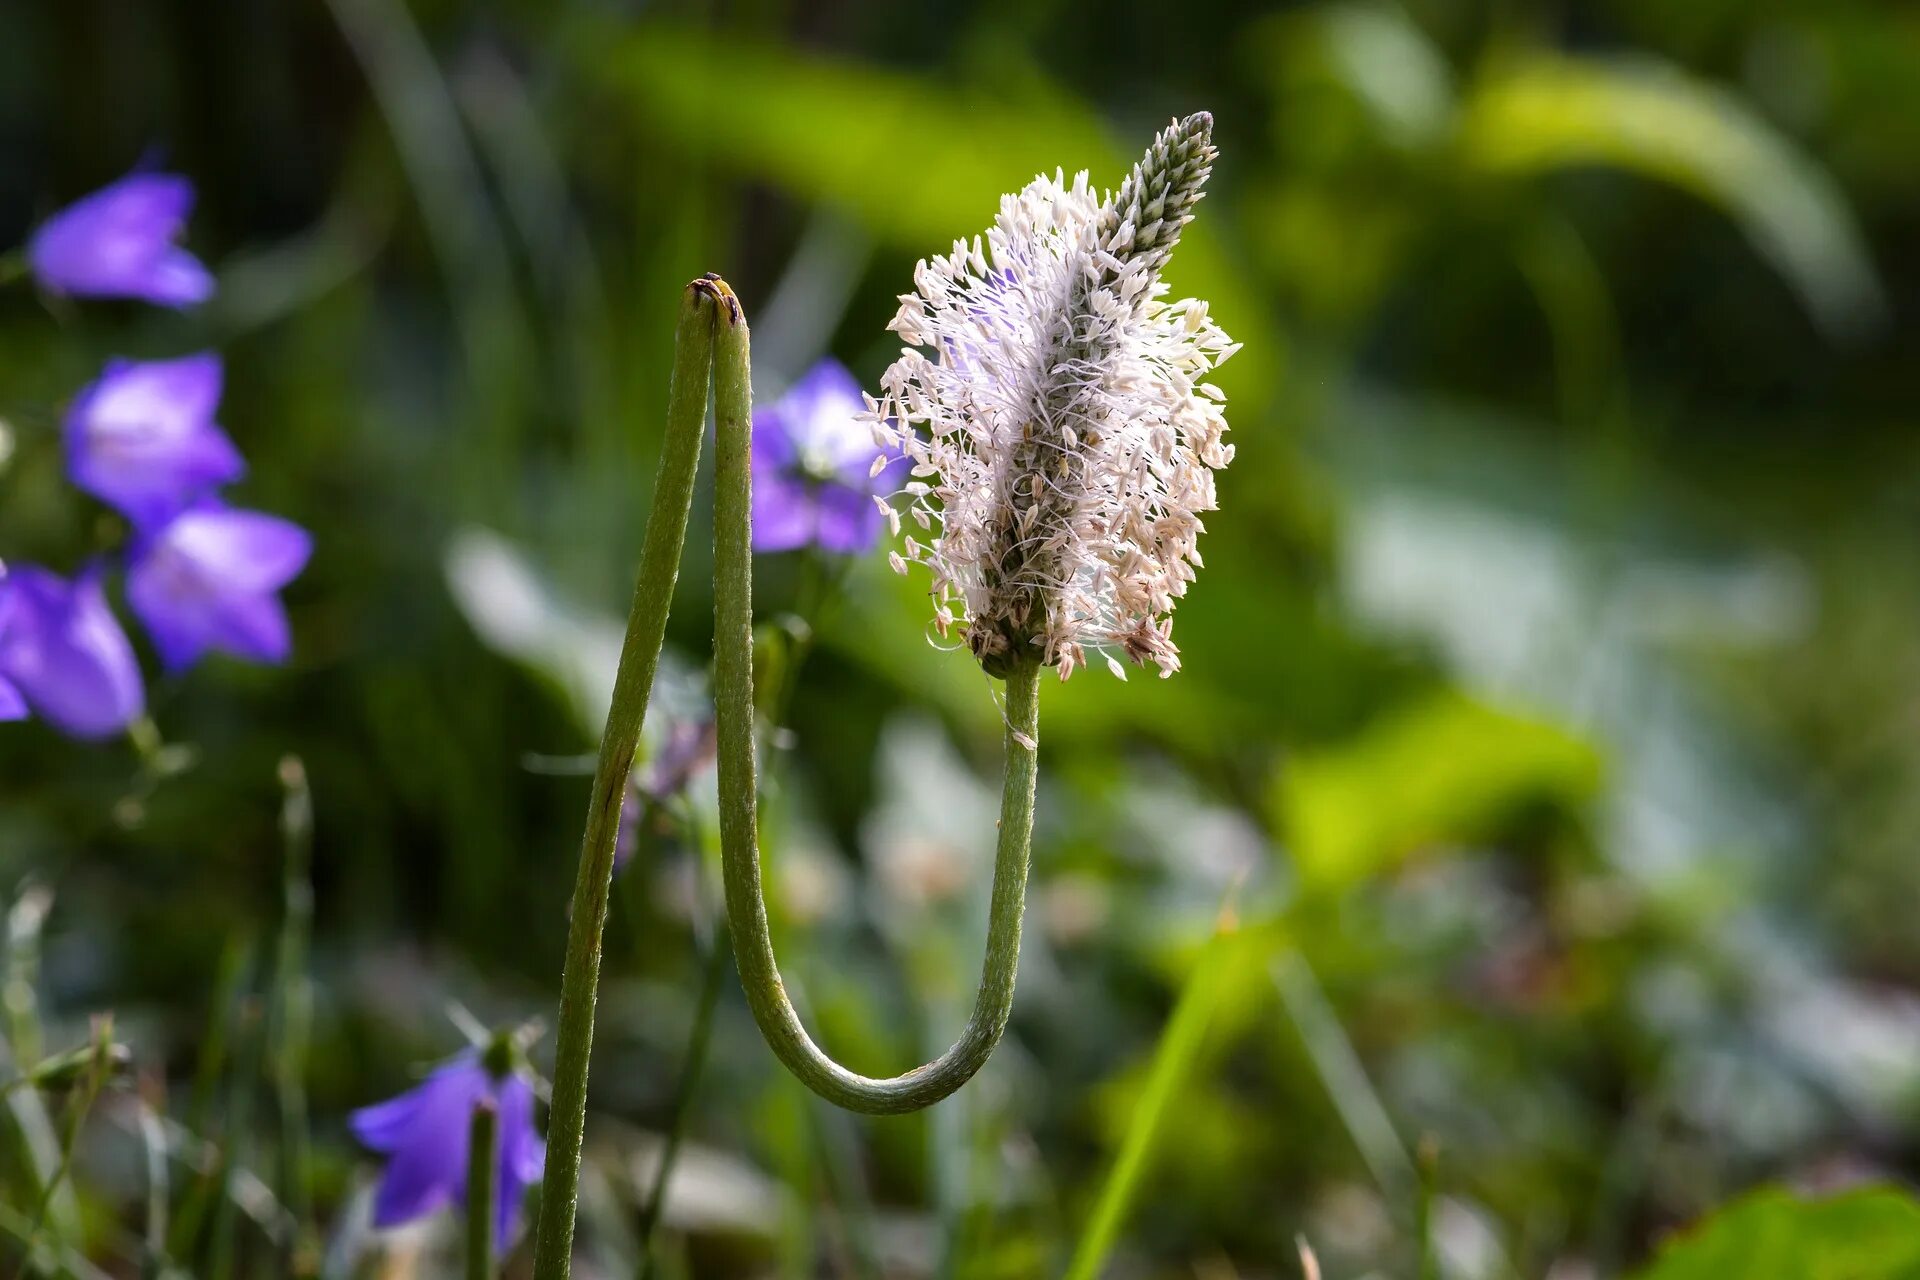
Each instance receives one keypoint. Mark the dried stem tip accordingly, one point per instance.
(1062, 434)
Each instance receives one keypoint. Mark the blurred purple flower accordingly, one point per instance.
(119, 243)
(813, 479)
(689, 748)
(424, 1135)
(62, 650)
(142, 436)
(208, 579)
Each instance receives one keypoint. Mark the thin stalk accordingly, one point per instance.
(740, 854)
(96, 1075)
(236, 1141)
(691, 1067)
(293, 990)
(153, 1141)
(483, 1161)
(633, 684)
(229, 1001)
(1427, 1262)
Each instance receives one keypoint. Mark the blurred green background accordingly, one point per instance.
(1549, 730)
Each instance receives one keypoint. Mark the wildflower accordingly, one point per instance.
(816, 468)
(688, 750)
(142, 436)
(62, 651)
(119, 243)
(424, 1135)
(208, 578)
(1062, 434)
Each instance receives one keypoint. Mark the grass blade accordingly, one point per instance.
(1173, 1062)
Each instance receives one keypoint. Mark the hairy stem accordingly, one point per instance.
(633, 684)
(740, 854)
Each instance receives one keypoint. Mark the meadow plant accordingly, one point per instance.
(201, 576)
(424, 1133)
(1060, 440)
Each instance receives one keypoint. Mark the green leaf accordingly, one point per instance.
(1167, 1082)
(1444, 768)
(918, 161)
(1869, 1234)
(1538, 111)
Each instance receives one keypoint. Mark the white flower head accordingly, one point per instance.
(1062, 432)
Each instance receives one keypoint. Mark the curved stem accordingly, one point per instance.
(632, 685)
(740, 854)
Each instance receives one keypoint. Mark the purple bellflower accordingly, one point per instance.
(119, 243)
(208, 580)
(142, 436)
(424, 1134)
(63, 654)
(689, 748)
(814, 467)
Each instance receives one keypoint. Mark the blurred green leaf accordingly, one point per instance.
(1392, 67)
(1443, 768)
(1773, 1234)
(917, 161)
(1168, 1080)
(1538, 111)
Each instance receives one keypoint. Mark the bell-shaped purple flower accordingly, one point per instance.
(63, 653)
(13, 703)
(424, 1134)
(142, 436)
(119, 243)
(813, 459)
(209, 579)
(689, 749)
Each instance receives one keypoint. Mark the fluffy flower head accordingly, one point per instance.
(1055, 408)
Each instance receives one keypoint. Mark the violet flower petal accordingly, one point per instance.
(119, 243)
(848, 520)
(823, 408)
(783, 515)
(142, 436)
(206, 581)
(63, 649)
(13, 705)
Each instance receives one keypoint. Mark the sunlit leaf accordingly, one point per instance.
(1773, 1234)
(1541, 111)
(917, 161)
(1444, 768)
(1389, 63)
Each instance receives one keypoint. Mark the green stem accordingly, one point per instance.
(633, 684)
(96, 1075)
(293, 994)
(690, 1069)
(483, 1141)
(740, 854)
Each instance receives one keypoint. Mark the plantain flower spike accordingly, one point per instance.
(1056, 410)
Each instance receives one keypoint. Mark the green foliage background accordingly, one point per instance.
(1547, 732)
